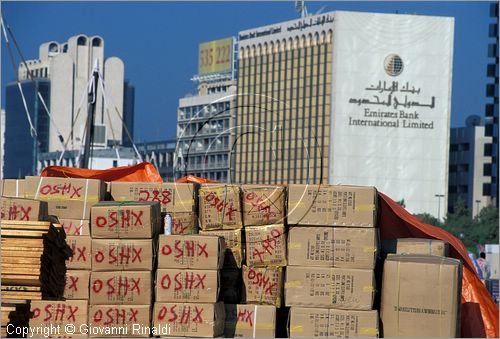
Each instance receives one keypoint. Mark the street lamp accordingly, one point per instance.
(477, 206)
(439, 196)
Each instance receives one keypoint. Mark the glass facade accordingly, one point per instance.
(21, 149)
(283, 111)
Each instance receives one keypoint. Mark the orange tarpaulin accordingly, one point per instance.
(144, 171)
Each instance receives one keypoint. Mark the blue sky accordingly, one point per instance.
(158, 42)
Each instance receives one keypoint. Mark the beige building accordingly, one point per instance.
(69, 67)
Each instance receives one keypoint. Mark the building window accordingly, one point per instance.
(453, 147)
(464, 146)
(453, 168)
(486, 189)
(488, 150)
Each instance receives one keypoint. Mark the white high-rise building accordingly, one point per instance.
(69, 67)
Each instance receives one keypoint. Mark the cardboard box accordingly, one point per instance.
(52, 188)
(123, 254)
(351, 289)
(191, 251)
(250, 321)
(189, 320)
(77, 284)
(266, 245)
(263, 285)
(263, 205)
(234, 249)
(173, 197)
(416, 246)
(22, 209)
(12, 188)
(81, 245)
(75, 226)
(332, 323)
(187, 285)
(58, 313)
(330, 205)
(421, 296)
(119, 320)
(220, 207)
(70, 209)
(185, 223)
(120, 288)
(345, 247)
(127, 219)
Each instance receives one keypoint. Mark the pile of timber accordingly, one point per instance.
(34, 255)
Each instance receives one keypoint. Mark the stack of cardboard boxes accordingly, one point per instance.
(187, 286)
(124, 247)
(332, 249)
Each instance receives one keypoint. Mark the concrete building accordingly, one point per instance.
(347, 98)
(204, 121)
(491, 111)
(162, 155)
(467, 166)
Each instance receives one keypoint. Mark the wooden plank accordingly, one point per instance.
(20, 288)
(24, 222)
(21, 233)
(22, 295)
(19, 279)
(21, 254)
(21, 260)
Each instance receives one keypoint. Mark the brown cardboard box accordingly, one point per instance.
(220, 207)
(263, 285)
(12, 188)
(250, 321)
(127, 219)
(345, 247)
(120, 288)
(421, 296)
(173, 197)
(70, 209)
(48, 312)
(81, 245)
(422, 246)
(123, 254)
(187, 285)
(75, 226)
(119, 320)
(330, 205)
(184, 223)
(77, 284)
(52, 188)
(191, 251)
(189, 320)
(266, 245)
(351, 289)
(332, 323)
(263, 205)
(22, 209)
(234, 250)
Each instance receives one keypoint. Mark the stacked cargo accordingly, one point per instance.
(332, 248)
(420, 286)
(124, 247)
(187, 286)
(176, 200)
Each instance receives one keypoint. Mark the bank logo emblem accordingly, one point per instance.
(393, 65)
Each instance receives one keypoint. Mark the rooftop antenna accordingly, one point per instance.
(300, 7)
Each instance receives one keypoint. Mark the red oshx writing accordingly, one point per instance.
(268, 245)
(259, 204)
(72, 283)
(71, 228)
(56, 312)
(67, 189)
(115, 316)
(120, 286)
(16, 212)
(79, 253)
(185, 248)
(123, 218)
(183, 281)
(179, 227)
(184, 315)
(118, 255)
(162, 196)
(245, 316)
(262, 281)
(221, 205)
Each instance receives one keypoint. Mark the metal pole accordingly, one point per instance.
(477, 206)
(89, 134)
(439, 196)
